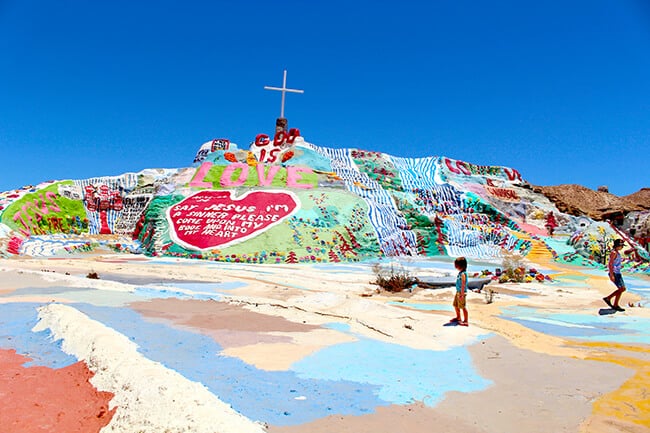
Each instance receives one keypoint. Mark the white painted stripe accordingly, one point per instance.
(555, 322)
(150, 398)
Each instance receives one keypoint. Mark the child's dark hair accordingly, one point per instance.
(461, 263)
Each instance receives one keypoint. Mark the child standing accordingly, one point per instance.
(461, 291)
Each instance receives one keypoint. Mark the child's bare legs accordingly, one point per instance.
(457, 319)
(617, 296)
(464, 321)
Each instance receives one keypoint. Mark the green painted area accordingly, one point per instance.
(429, 231)
(45, 211)
(156, 226)
(216, 174)
(378, 169)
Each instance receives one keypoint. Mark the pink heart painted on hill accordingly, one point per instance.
(210, 219)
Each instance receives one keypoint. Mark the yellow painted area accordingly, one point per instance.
(539, 252)
(624, 409)
(630, 402)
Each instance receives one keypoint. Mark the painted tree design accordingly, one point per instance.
(345, 245)
(333, 257)
(353, 238)
(422, 248)
(291, 258)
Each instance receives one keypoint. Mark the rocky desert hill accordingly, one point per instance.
(599, 205)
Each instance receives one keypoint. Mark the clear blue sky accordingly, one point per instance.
(559, 90)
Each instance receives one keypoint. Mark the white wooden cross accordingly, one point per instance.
(284, 90)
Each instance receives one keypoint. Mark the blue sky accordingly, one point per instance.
(559, 90)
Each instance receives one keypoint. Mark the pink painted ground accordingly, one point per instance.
(41, 399)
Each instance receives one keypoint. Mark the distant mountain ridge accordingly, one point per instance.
(599, 205)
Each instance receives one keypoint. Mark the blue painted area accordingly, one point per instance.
(424, 307)
(180, 290)
(638, 286)
(594, 272)
(310, 158)
(329, 267)
(207, 287)
(619, 328)
(570, 280)
(400, 375)
(151, 293)
(268, 396)
(560, 329)
(16, 323)
(560, 245)
(343, 327)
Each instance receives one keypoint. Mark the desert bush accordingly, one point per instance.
(393, 279)
(489, 295)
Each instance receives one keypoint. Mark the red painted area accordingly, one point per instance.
(41, 399)
(211, 219)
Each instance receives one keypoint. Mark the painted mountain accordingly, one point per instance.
(287, 200)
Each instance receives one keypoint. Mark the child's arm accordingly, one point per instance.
(463, 283)
(610, 265)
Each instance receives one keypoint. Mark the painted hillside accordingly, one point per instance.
(284, 200)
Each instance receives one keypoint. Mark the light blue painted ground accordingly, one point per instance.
(146, 292)
(343, 327)
(619, 327)
(209, 287)
(354, 268)
(180, 290)
(401, 375)
(638, 286)
(16, 323)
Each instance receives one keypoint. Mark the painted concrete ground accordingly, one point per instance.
(290, 347)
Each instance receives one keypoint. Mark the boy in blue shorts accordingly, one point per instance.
(614, 266)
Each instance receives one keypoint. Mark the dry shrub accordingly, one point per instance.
(489, 295)
(393, 279)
